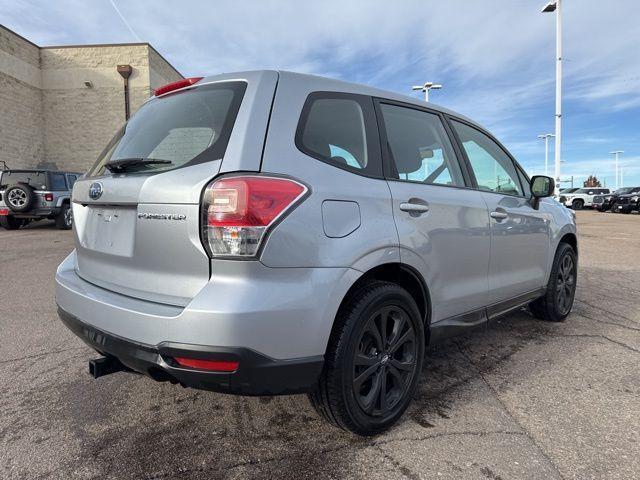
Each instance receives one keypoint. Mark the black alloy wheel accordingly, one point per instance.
(565, 285)
(373, 360)
(385, 361)
(555, 305)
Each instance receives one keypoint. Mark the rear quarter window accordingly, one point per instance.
(339, 129)
(57, 182)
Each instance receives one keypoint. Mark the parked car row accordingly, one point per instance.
(623, 200)
(29, 195)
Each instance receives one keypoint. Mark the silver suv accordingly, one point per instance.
(266, 232)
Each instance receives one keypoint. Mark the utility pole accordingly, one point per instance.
(616, 154)
(546, 137)
(426, 87)
(555, 6)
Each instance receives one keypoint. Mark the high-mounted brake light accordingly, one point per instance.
(238, 211)
(211, 365)
(170, 87)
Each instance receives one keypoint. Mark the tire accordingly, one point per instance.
(577, 204)
(19, 198)
(10, 223)
(362, 360)
(64, 220)
(557, 302)
(613, 208)
(626, 210)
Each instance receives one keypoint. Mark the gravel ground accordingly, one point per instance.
(522, 399)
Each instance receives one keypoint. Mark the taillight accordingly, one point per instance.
(238, 211)
(48, 197)
(170, 87)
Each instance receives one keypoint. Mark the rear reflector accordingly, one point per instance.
(237, 211)
(170, 87)
(210, 365)
(4, 211)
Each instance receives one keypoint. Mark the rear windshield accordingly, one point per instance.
(184, 128)
(38, 180)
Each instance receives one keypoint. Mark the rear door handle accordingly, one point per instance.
(413, 207)
(498, 215)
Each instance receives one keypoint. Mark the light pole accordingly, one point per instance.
(546, 137)
(554, 6)
(426, 87)
(616, 153)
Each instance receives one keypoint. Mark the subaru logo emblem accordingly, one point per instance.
(95, 190)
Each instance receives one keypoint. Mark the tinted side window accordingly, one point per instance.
(58, 182)
(419, 147)
(339, 129)
(71, 179)
(493, 168)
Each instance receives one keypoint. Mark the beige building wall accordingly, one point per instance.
(21, 120)
(56, 120)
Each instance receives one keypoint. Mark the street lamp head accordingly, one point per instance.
(616, 152)
(427, 86)
(550, 7)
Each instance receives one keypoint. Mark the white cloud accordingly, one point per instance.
(495, 57)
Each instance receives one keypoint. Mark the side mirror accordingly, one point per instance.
(541, 187)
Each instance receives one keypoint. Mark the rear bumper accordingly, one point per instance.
(275, 321)
(47, 212)
(256, 373)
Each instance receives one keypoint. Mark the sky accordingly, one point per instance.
(494, 58)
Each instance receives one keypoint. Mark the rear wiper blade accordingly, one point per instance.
(121, 164)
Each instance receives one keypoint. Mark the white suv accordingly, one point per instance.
(582, 198)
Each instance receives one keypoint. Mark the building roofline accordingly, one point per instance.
(95, 45)
(100, 45)
(166, 61)
(4, 27)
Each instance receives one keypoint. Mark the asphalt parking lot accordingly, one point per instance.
(523, 399)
